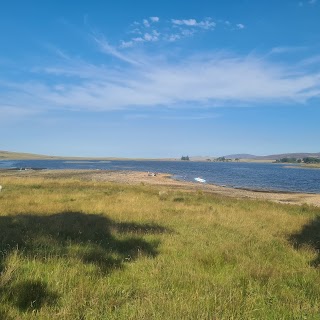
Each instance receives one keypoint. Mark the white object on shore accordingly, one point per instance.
(200, 180)
(0, 188)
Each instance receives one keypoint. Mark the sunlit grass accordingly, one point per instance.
(74, 249)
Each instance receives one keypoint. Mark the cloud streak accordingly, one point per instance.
(284, 50)
(213, 80)
(110, 50)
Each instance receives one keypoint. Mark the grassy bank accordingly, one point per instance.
(86, 250)
(312, 165)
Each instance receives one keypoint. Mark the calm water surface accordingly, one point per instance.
(259, 176)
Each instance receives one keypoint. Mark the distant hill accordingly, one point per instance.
(4, 155)
(274, 156)
(241, 156)
(290, 155)
(8, 155)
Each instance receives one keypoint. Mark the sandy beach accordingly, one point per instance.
(165, 180)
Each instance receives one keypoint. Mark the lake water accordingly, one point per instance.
(258, 176)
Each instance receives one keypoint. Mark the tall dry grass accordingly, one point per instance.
(72, 249)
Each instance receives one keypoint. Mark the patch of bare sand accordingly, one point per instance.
(162, 179)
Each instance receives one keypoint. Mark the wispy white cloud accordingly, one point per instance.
(182, 33)
(154, 19)
(135, 31)
(142, 32)
(173, 37)
(172, 116)
(310, 61)
(151, 36)
(126, 44)
(204, 24)
(153, 29)
(240, 26)
(146, 23)
(199, 116)
(215, 79)
(110, 50)
(57, 51)
(284, 49)
(307, 2)
(186, 22)
(138, 39)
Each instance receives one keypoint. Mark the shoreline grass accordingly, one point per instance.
(74, 249)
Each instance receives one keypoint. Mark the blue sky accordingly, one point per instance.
(159, 78)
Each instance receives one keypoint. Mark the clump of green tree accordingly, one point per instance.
(186, 158)
(311, 160)
(289, 160)
(222, 159)
(308, 160)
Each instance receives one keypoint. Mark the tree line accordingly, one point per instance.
(308, 160)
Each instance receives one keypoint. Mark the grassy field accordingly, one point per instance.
(74, 249)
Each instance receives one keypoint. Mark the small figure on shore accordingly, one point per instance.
(0, 188)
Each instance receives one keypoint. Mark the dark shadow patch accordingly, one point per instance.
(32, 295)
(36, 235)
(105, 262)
(93, 239)
(133, 248)
(309, 236)
(178, 199)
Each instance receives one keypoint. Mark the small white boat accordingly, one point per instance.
(200, 180)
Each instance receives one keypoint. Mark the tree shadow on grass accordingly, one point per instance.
(94, 239)
(32, 295)
(309, 235)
